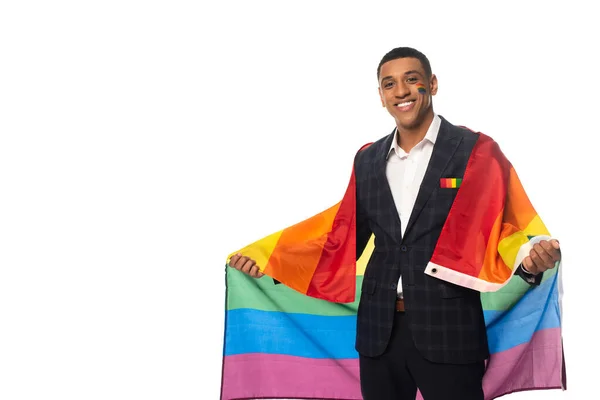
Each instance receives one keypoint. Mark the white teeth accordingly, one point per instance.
(404, 104)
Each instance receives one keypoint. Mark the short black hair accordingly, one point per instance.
(404, 52)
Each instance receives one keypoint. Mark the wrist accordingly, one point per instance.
(528, 271)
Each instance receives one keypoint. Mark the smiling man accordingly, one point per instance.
(403, 90)
(414, 330)
(436, 340)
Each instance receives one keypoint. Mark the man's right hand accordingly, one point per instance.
(246, 265)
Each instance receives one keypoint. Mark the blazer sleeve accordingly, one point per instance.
(533, 280)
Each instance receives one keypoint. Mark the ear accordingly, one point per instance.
(433, 85)
(381, 96)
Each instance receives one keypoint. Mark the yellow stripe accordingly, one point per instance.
(361, 264)
(261, 250)
(453, 183)
(536, 227)
(509, 246)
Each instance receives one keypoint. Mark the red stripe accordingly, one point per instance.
(335, 275)
(464, 238)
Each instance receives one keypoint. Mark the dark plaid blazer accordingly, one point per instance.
(446, 320)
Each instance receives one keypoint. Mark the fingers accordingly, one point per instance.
(241, 263)
(233, 261)
(255, 272)
(529, 266)
(540, 257)
(552, 249)
(544, 255)
(246, 265)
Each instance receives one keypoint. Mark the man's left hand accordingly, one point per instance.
(544, 255)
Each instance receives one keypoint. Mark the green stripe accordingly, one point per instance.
(506, 297)
(263, 294)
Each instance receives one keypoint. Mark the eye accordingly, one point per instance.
(412, 79)
(388, 85)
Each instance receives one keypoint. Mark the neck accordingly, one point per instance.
(411, 136)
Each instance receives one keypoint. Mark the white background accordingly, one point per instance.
(142, 142)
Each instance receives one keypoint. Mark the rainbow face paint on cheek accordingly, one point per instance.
(421, 88)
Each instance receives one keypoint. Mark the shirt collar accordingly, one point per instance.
(430, 136)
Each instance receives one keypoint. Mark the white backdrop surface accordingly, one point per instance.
(141, 142)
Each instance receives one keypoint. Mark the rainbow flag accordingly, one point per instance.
(296, 339)
(491, 226)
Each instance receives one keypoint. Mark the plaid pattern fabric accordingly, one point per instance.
(446, 320)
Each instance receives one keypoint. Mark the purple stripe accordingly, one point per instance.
(514, 370)
(250, 376)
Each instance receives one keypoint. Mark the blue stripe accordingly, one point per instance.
(507, 329)
(304, 335)
(333, 337)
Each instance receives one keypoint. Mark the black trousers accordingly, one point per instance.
(397, 373)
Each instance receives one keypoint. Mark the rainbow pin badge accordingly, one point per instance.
(421, 88)
(450, 183)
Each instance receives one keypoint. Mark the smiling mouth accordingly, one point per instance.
(405, 105)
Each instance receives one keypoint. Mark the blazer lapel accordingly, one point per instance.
(445, 146)
(384, 195)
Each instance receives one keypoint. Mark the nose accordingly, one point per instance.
(401, 90)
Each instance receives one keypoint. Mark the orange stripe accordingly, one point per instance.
(293, 263)
(494, 269)
(513, 220)
(518, 209)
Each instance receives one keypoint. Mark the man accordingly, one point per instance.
(413, 330)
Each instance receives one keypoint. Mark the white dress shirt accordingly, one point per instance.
(405, 172)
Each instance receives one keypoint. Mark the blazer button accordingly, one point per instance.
(403, 249)
(394, 285)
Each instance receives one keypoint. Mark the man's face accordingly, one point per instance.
(405, 91)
